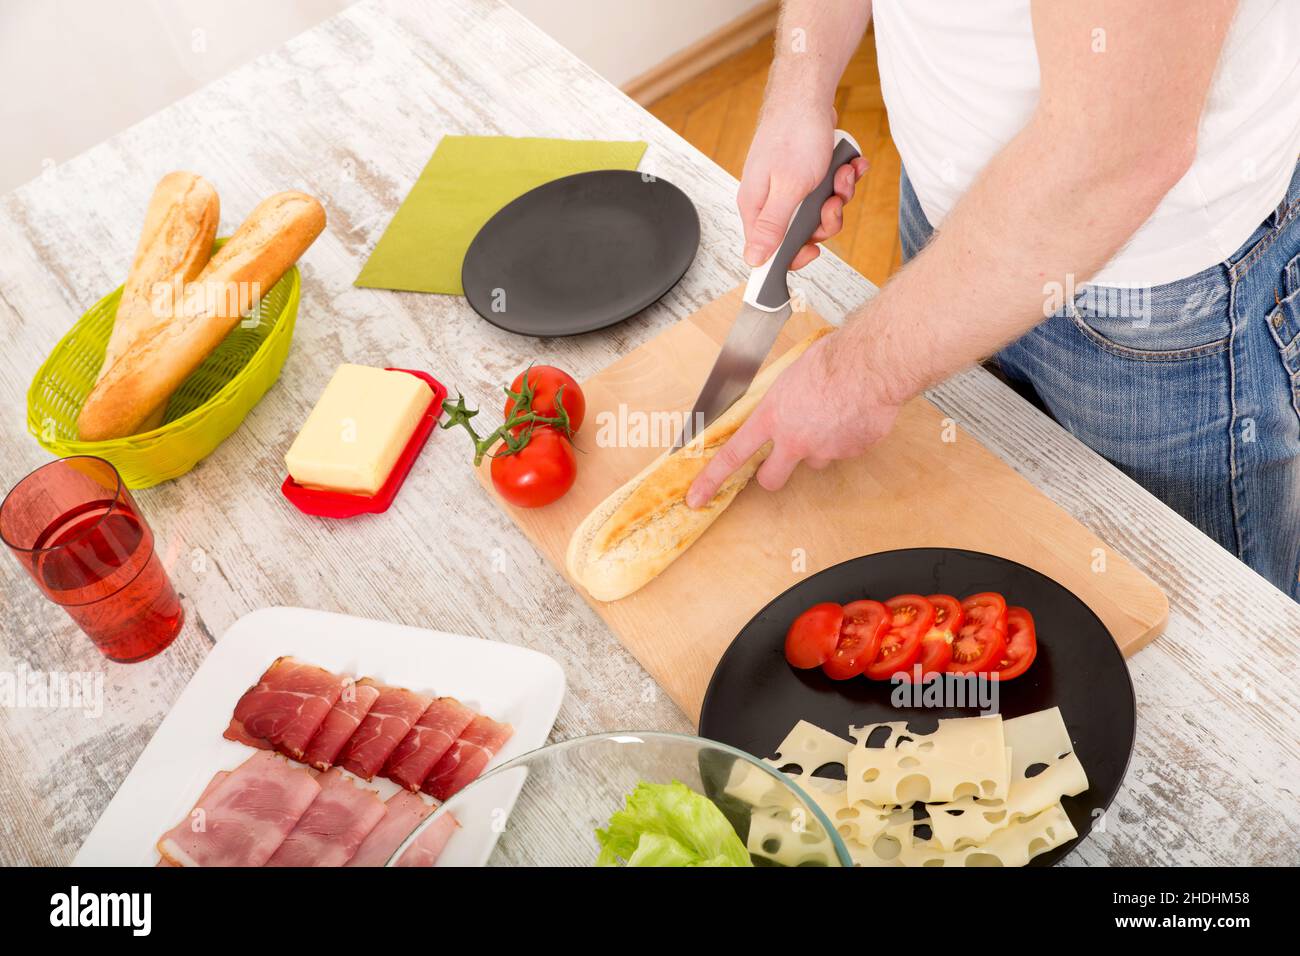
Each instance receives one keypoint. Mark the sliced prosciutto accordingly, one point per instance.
(466, 758)
(341, 723)
(286, 707)
(219, 776)
(243, 819)
(333, 827)
(389, 720)
(430, 738)
(237, 733)
(405, 810)
(428, 846)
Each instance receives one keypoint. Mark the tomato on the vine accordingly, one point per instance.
(546, 382)
(533, 461)
(539, 473)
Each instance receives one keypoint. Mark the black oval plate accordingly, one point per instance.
(755, 697)
(581, 253)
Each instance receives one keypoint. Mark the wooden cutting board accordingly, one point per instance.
(929, 484)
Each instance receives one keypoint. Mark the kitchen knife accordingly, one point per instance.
(766, 305)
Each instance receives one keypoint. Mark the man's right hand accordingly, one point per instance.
(786, 160)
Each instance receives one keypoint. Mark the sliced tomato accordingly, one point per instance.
(1022, 644)
(813, 636)
(933, 659)
(911, 617)
(948, 613)
(982, 637)
(865, 623)
(936, 648)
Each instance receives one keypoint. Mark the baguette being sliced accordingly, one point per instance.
(155, 364)
(644, 526)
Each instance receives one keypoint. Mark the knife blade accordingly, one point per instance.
(765, 308)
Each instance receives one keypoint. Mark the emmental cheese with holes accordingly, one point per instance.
(1029, 759)
(1043, 769)
(1013, 845)
(963, 757)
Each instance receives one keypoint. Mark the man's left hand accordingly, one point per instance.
(824, 407)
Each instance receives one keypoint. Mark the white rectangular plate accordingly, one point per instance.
(512, 684)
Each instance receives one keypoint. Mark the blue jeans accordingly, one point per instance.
(1192, 388)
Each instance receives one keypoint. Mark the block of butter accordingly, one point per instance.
(357, 431)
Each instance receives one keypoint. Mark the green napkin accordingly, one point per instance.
(467, 180)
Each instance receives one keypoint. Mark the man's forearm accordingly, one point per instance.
(1113, 132)
(1114, 129)
(814, 42)
(1041, 211)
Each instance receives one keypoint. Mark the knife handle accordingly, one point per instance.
(767, 287)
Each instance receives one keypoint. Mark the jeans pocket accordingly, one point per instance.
(1172, 322)
(1284, 321)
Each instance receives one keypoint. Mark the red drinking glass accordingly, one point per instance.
(75, 528)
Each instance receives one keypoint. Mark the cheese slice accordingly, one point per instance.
(963, 757)
(787, 837)
(831, 796)
(884, 848)
(853, 821)
(1036, 740)
(751, 785)
(811, 748)
(866, 856)
(358, 429)
(1013, 845)
(1006, 780)
(1040, 737)
(859, 821)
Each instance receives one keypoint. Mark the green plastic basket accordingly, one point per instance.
(208, 406)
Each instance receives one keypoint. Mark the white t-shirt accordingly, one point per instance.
(960, 79)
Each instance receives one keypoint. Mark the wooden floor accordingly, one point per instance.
(718, 111)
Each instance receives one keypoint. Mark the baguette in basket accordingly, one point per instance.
(144, 376)
(175, 244)
(635, 533)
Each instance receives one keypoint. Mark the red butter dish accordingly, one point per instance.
(335, 504)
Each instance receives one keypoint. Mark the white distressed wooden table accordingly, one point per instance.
(350, 111)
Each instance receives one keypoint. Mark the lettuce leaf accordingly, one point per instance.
(669, 824)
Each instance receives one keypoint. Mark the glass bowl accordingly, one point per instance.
(544, 808)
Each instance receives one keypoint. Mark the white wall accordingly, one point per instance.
(622, 39)
(74, 72)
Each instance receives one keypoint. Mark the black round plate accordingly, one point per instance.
(755, 697)
(580, 253)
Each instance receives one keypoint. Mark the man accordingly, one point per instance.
(1115, 205)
